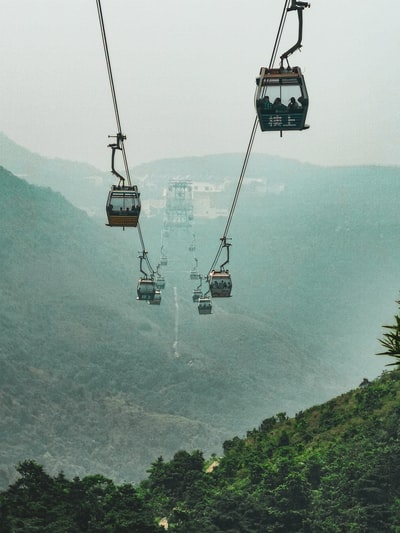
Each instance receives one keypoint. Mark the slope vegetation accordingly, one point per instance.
(331, 468)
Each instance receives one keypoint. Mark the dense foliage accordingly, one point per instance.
(40, 503)
(332, 468)
(391, 340)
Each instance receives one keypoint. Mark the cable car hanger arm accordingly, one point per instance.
(225, 245)
(117, 146)
(296, 6)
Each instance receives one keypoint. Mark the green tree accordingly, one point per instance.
(391, 340)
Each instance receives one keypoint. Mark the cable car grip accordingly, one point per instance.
(116, 146)
(296, 6)
(227, 246)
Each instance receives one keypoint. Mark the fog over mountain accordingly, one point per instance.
(94, 381)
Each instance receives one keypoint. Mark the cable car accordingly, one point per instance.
(281, 99)
(196, 294)
(220, 283)
(156, 300)
(192, 245)
(123, 206)
(194, 273)
(146, 289)
(204, 305)
(160, 282)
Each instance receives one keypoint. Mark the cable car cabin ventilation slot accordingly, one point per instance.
(281, 99)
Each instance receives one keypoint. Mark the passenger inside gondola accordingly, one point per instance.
(204, 306)
(278, 107)
(281, 99)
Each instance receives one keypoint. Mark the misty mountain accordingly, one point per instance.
(92, 379)
(80, 183)
(95, 381)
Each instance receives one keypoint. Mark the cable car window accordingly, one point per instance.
(281, 99)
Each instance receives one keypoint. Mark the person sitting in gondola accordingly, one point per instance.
(303, 101)
(278, 107)
(293, 105)
(266, 104)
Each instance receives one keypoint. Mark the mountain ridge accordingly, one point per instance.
(292, 332)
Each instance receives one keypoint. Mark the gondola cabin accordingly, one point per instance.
(220, 283)
(281, 99)
(164, 261)
(156, 298)
(196, 294)
(194, 274)
(123, 206)
(160, 282)
(146, 289)
(204, 305)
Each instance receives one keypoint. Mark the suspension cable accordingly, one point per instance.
(279, 34)
(235, 199)
(120, 136)
(250, 145)
(112, 87)
(144, 252)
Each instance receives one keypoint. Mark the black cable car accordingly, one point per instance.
(123, 206)
(192, 245)
(156, 298)
(146, 289)
(194, 273)
(204, 305)
(281, 99)
(196, 294)
(220, 283)
(160, 282)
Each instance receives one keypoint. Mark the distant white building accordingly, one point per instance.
(210, 199)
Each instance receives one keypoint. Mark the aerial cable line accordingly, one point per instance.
(120, 136)
(223, 239)
(235, 199)
(279, 34)
(144, 252)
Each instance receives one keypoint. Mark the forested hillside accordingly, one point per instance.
(333, 467)
(94, 381)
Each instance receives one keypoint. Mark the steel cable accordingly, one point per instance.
(112, 87)
(250, 145)
(118, 120)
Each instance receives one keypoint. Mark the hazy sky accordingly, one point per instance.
(185, 74)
